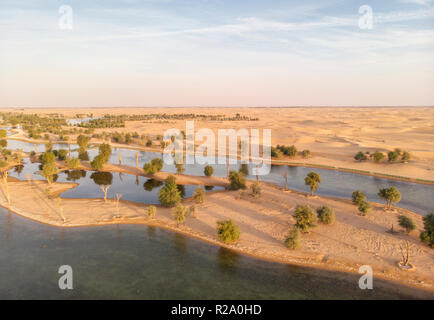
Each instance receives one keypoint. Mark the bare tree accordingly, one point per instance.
(5, 185)
(405, 253)
(285, 175)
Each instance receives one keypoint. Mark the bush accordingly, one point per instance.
(292, 240)
(406, 223)
(237, 180)
(199, 195)
(326, 215)
(228, 231)
(151, 211)
(208, 171)
(427, 235)
(256, 189)
(154, 166)
(98, 162)
(364, 208)
(360, 156)
(61, 154)
(73, 163)
(405, 156)
(358, 197)
(305, 218)
(378, 156)
(180, 214)
(306, 153)
(169, 195)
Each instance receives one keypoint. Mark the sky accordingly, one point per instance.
(216, 53)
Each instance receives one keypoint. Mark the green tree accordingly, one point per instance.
(360, 156)
(83, 141)
(305, 218)
(391, 195)
(169, 194)
(228, 231)
(427, 235)
(292, 240)
(326, 215)
(48, 157)
(378, 156)
(358, 197)
(3, 133)
(393, 156)
(105, 151)
(180, 214)
(312, 180)
(364, 208)
(237, 180)
(49, 170)
(208, 171)
(154, 166)
(199, 195)
(98, 162)
(73, 163)
(406, 223)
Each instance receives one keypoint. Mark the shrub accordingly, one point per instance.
(427, 235)
(73, 163)
(406, 223)
(306, 153)
(313, 180)
(292, 240)
(364, 208)
(305, 218)
(98, 162)
(154, 166)
(199, 195)
(169, 195)
(326, 215)
(61, 154)
(151, 211)
(208, 171)
(378, 156)
(391, 194)
(360, 156)
(256, 189)
(405, 156)
(180, 214)
(237, 180)
(358, 197)
(228, 231)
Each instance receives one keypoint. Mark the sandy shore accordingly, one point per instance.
(351, 242)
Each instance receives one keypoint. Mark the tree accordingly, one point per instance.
(61, 154)
(237, 181)
(3, 133)
(313, 180)
(406, 223)
(292, 240)
(391, 194)
(306, 154)
(256, 189)
(83, 141)
(360, 156)
(104, 180)
(73, 163)
(49, 169)
(3, 143)
(405, 156)
(326, 215)
(208, 171)
(244, 169)
(48, 157)
(393, 156)
(169, 194)
(358, 197)
(305, 218)
(154, 166)
(151, 211)
(199, 195)
(427, 235)
(180, 214)
(364, 208)
(105, 151)
(378, 156)
(83, 155)
(98, 162)
(228, 231)
(291, 151)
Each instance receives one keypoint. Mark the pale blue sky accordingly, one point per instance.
(216, 53)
